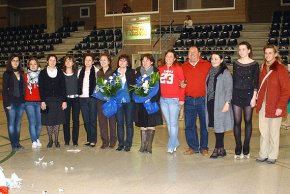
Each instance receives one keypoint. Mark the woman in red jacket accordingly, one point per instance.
(273, 94)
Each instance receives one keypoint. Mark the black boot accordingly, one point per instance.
(49, 145)
(150, 137)
(214, 154)
(143, 141)
(222, 152)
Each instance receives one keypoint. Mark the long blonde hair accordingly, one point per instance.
(275, 48)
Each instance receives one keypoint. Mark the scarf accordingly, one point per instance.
(147, 72)
(32, 79)
(211, 83)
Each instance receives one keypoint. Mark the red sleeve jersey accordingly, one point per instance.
(170, 78)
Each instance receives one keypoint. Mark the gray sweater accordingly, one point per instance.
(223, 121)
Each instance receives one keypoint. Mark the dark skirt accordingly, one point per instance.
(55, 115)
(210, 110)
(143, 119)
(242, 98)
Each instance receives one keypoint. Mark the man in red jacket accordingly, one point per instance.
(195, 73)
(273, 95)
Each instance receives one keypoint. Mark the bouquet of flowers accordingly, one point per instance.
(109, 90)
(145, 88)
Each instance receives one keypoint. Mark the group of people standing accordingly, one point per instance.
(219, 99)
(207, 90)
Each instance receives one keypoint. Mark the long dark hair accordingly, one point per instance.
(174, 54)
(223, 66)
(9, 64)
(74, 67)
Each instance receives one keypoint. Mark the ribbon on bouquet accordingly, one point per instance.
(110, 108)
(151, 107)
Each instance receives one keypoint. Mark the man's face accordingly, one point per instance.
(193, 55)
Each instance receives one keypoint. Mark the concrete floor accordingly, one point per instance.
(93, 170)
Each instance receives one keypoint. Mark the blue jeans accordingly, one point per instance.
(89, 113)
(125, 112)
(73, 106)
(192, 108)
(33, 114)
(170, 108)
(14, 116)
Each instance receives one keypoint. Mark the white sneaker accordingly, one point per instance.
(34, 145)
(175, 149)
(238, 157)
(247, 156)
(38, 143)
(170, 151)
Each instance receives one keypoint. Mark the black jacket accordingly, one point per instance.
(8, 89)
(51, 87)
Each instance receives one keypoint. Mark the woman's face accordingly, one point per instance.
(146, 63)
(104, 61)
(15, 62)
(169, 58)
(69, 63)
(51, 61)
(123, 63)
(33, 66)
(244, 51)
(88, 61)
(270, 55)
(216, 60)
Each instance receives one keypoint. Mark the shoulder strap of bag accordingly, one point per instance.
(263, 81)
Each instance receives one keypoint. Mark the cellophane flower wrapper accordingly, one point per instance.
(110, 90)
(151, 107)
(146, 88)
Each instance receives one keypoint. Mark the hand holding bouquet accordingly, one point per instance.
(109, 90)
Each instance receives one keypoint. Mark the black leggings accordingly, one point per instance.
(248, 112)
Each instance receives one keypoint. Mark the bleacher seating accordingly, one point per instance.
(99, 40)
(280, 33)
(209, 38)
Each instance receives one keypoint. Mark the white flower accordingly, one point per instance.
(145, 85)
(111, 77)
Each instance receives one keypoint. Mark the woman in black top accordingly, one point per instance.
(53, 99)
(72, 100)
(125, 112)
(13, 99)
(245, 82)
(147, 122)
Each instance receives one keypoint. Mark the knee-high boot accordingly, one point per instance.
(143, 140)
(150, 137)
